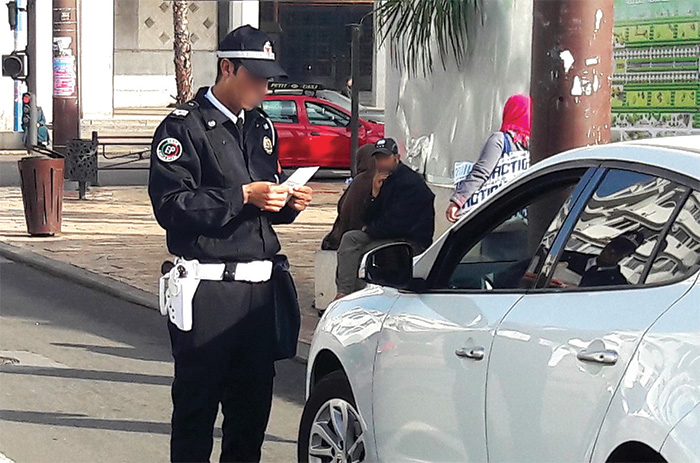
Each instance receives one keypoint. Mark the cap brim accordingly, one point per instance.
(383, 151)
(263, 68)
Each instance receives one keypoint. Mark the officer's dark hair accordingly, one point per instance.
(236, 64)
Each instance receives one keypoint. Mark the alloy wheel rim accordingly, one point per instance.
(337, 434)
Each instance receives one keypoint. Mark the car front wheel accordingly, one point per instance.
(331, 430)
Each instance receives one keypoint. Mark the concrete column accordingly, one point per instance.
(379, 71)
(97, 59)
(44, 57)
(244, 12)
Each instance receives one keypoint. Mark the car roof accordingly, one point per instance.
(678, 154)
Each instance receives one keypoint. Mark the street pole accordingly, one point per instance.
(355, 97)
(571, 75)
(31, 135)
(66, 50)
(18, 84)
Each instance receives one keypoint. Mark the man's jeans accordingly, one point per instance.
(353, 245)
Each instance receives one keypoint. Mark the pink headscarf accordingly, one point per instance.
(516, 118)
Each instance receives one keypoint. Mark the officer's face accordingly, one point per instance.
(247, 89)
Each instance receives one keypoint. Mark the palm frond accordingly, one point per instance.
(412, 25)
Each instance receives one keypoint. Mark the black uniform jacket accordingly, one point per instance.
(199, 162)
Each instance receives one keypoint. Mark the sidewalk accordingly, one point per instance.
(114, 234)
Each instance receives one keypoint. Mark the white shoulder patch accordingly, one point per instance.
(169, 150)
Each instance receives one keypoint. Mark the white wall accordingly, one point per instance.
(96, 58)
(451, 112)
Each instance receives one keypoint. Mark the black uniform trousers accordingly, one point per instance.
(226, 359)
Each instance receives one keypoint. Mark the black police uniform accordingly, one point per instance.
(200, 161)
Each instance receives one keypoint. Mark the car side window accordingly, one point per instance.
(320, 114)
(284, 111)
(617, 232)
(502, 258)
(679, 255)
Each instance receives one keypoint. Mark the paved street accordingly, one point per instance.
(92, 382)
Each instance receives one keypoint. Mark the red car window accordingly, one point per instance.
(284, 111)
(321, 114)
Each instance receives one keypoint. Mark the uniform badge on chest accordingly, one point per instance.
(267, 144)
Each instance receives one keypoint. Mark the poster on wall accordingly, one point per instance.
(64, 69)
(656, 78)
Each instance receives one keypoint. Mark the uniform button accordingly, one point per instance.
(223, 142)
(211, 123)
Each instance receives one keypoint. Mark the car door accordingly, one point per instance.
(432, 356)
(559, 354)
(328, 134)
(293, 143)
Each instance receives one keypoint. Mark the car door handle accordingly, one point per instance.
(474, 353)
(315, 134)
(604, 356)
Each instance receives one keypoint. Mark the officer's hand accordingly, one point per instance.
(378, 181)
(301, 197)
(265, 195)
(452, 212)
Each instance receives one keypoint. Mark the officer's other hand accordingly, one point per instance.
(301, 197)
(379, 178)
(267, 196)
(452, 212)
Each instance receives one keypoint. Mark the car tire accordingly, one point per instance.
(330, 424)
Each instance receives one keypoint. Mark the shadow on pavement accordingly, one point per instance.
(83, 421)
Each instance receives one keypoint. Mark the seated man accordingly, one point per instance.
(352, 204)
(604, 269)
(399, 208)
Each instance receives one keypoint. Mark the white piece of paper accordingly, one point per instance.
(300, 177)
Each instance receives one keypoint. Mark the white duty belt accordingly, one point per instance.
(178, 286)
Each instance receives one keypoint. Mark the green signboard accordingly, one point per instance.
(656, 79)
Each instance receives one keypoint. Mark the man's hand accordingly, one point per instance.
(452, 212)
(378, 181)
(267, 196)
(301, 197)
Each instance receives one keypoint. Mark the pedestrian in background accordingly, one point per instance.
(504, 155)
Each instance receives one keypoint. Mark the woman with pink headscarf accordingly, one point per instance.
(489, 172)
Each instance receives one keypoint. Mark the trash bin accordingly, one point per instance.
(42, 194)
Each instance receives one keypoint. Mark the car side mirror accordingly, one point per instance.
(388, 265)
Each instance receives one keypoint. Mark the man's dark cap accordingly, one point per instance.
(386, 146)
(253, 48)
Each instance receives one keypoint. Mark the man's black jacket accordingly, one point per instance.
(403, 209)
(196, 194)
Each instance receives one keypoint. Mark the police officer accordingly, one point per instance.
(215, 189)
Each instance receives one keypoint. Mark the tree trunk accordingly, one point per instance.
(183, 51)
(571, 77)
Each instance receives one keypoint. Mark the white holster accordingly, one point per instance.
(178, 287)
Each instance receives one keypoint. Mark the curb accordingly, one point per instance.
(100, 283)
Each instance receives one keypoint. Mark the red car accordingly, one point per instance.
(313, 131)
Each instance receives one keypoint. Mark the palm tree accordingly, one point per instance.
(412, 25)
(183, 51)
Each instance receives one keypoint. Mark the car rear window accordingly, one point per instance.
(618, 231)
(284, 111)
